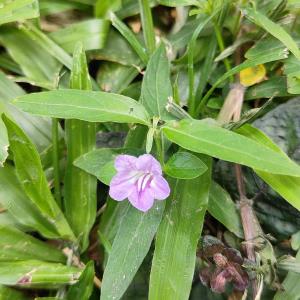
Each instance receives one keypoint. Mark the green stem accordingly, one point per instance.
(55, 161)
(147, 23)
(191, 100)
(159, 147)
(222, 48)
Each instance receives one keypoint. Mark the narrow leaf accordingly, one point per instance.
(177, 238)
(130, 246)
(222, 208)
(33, 180)
(156, 86)
(37, 274)
(274, 29)
(16, 245)
(80, 188)
(84, 105)
(208, 138)
(287, 186)
(83, 289)
(18, 10)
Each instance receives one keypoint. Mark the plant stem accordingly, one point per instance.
(147, 23)
(222, 48)
(55, 161)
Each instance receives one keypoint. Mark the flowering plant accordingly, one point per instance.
(130, 131)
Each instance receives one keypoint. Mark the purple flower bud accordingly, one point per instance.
(140, 180)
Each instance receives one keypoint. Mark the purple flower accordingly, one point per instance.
(140, 180)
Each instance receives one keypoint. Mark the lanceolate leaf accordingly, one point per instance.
(33, 180)
(3, 143)
(222, 208)
(208, 138)
(156, 86)
(130, 246)
(274, 29)
(18, 10)
(37, 274)
(287, 186)
(84, 105)
(177, 237)
(80, 187)
(16, 245)
(174, 3)
(22, 209)
(92, 34)
(38, 129)
(83, 289)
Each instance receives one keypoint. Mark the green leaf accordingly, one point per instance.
(100, 162)
(273, 87)
(36, 65)
(156, 86)
(117, 50)
(287, 186)
(20, 207)
(83, 289)
(92, 34)
(184, 165)
(103, 7)
(130, 37)
(174, 258)
(131, 245)
(115, 77)
(80, 188)
(32, 178)
(291, 286)
(274, 29)
(208, 138)
(222, 208)
(3, 143)
(7, 293)
(175, 3)
(18, 10)
(48, 45)
(37, 274)
(84, 105)
(16, 245)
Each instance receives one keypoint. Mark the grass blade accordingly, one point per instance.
(80, 187)
(177, 237)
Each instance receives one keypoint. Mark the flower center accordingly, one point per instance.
(144, 181)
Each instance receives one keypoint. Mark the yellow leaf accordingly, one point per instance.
(253, 75)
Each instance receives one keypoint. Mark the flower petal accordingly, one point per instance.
(160, 187)
(143, 201)
(125, 162)
(122, 185)
(147, 163)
